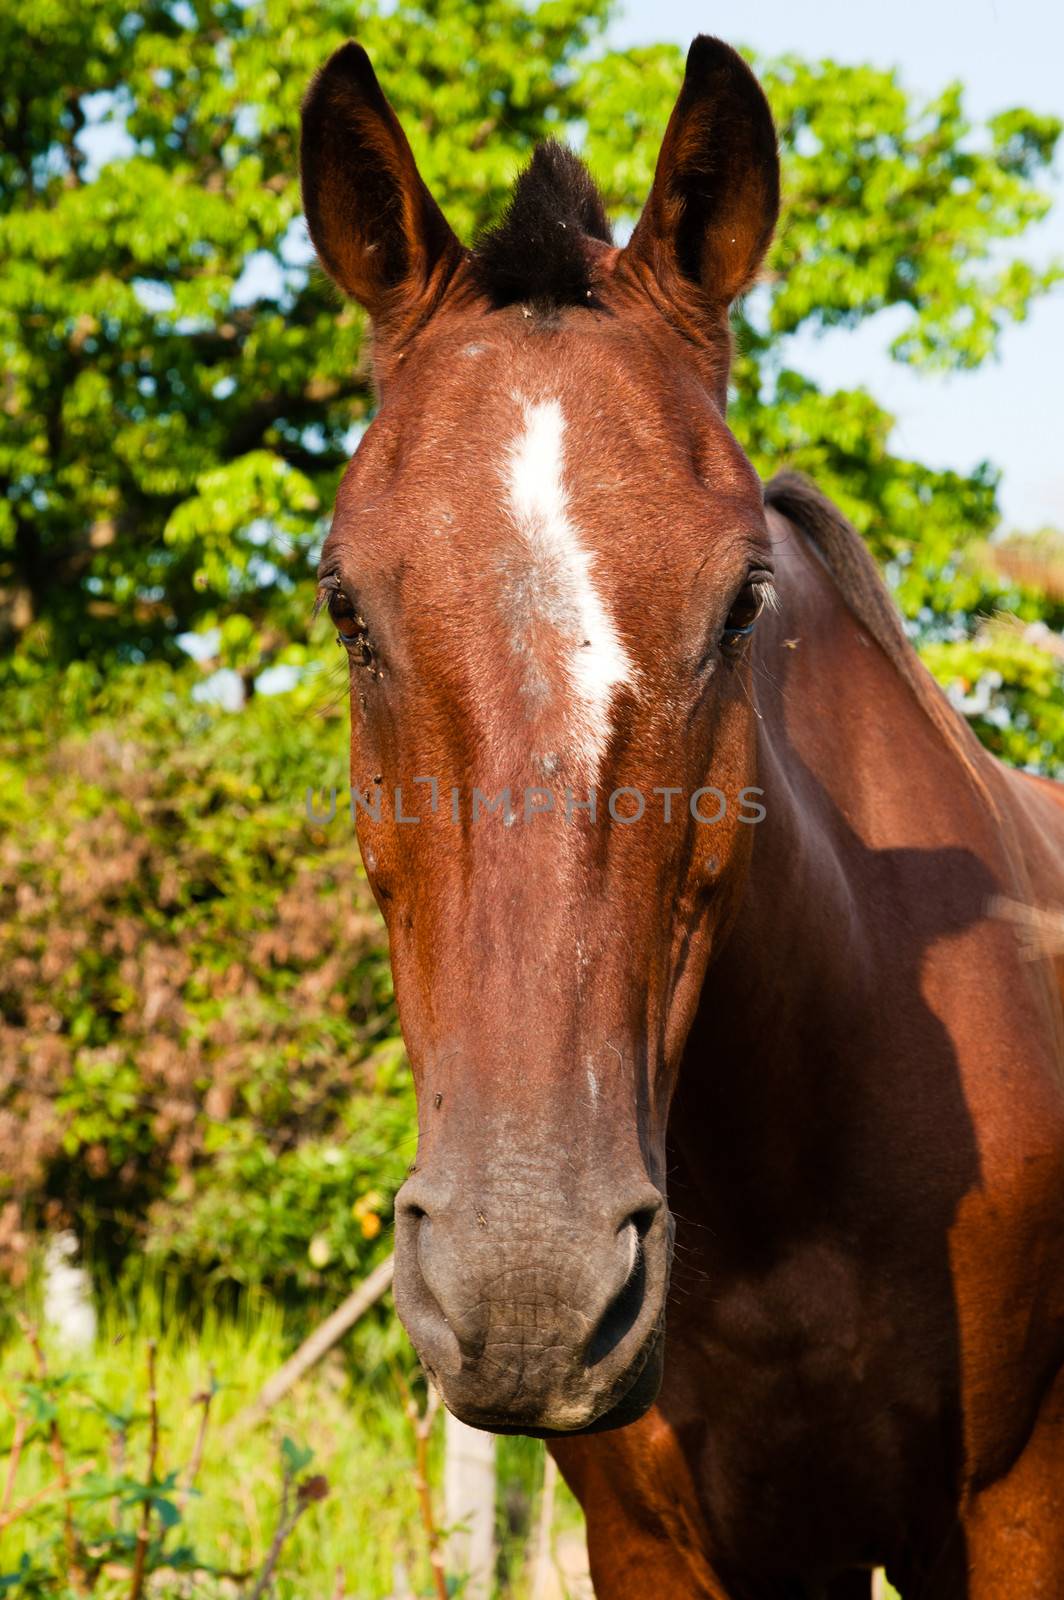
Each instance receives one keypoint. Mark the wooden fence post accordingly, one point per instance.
(469, 1501)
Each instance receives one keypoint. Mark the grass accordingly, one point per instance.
(358, 1532)
(361, 1541)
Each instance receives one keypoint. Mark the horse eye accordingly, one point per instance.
(351, 628)
(746, 608)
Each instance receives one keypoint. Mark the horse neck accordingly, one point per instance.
(862, 789)
(873, 848)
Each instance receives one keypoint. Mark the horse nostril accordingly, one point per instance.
(624, 1309)
(622, 1313)
(419, 1285)
(642, 1220)
(642, 1215)
(416, 1200)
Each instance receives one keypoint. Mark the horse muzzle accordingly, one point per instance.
(530, 1321)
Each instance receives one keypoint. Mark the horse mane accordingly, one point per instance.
(861, 585)
(539, 251)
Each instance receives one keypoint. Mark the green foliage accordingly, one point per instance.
(199, 1027)
(182, 390)
(1008, 682)
(211, 1525)
(172, 430)
(895, 203)
(890, 205)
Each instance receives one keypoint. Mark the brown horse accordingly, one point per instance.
(686, 904)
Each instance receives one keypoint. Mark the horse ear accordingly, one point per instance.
(377, 230)
(715, 197)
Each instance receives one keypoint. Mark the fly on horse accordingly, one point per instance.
(740, 1173)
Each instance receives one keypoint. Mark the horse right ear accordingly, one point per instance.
(716, 192)
(377, 230)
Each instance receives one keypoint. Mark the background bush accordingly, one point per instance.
(200, 1051)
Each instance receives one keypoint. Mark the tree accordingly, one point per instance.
(183, 387)
(888, 203)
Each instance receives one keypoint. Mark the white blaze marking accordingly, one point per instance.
(565, 593)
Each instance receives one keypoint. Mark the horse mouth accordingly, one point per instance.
(633, 1403)
(626, 1400)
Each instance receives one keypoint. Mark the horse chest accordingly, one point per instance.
(816, 1406)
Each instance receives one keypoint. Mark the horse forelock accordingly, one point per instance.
(544, 247)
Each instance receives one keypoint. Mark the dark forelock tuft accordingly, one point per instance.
(539, 251)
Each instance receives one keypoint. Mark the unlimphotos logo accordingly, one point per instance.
(625, 806)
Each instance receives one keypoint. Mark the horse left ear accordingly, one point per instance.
(716, 192)
(377, 230)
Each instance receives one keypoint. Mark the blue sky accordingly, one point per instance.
(1007, 53)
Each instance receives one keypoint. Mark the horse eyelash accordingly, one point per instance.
(768, 600)
(767, 593)
(328, 586)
